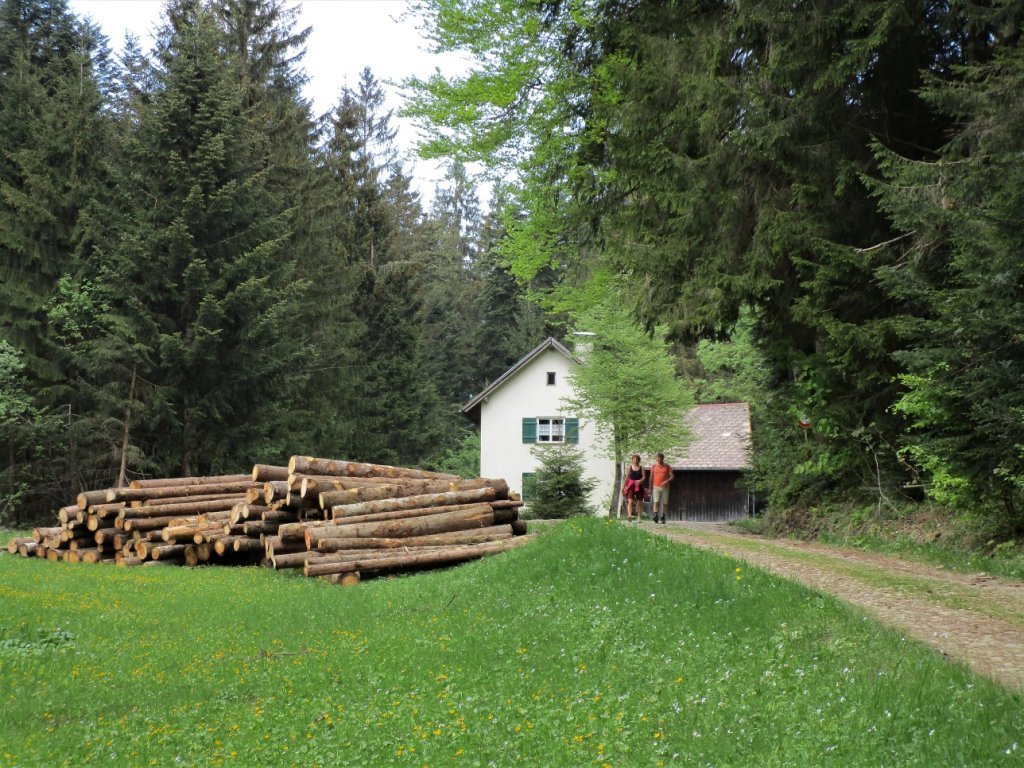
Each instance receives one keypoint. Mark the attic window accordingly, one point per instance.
(551, 378)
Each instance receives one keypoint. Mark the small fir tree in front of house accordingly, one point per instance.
(558, 488)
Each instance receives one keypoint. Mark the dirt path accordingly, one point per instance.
(972, 618)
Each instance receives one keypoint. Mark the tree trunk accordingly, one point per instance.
(127, 429)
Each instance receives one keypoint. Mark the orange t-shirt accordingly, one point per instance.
(660, 473)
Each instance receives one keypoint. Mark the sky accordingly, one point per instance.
(347, 35)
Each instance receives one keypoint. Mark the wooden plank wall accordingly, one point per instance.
(706, 497)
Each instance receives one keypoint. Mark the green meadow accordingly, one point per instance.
(597, 645)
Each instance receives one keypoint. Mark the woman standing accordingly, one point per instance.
(633, 489)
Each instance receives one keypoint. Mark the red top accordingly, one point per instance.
(660, 474)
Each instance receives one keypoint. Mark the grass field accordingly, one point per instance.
(596, 645)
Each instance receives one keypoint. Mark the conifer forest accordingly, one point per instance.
(817, 207)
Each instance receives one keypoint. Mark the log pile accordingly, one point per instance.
(340, 520)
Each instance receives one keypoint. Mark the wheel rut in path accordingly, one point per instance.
(975, 619)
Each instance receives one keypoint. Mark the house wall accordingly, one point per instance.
(527, 394)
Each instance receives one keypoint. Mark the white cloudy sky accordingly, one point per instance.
(347, 35)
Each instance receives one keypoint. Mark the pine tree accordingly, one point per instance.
(956, 267)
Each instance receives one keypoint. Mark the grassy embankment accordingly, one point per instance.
(957, 541)
(597, 645)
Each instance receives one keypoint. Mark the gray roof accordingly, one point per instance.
(721, 438)
(548, 343)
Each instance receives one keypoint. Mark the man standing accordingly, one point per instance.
(661, 478)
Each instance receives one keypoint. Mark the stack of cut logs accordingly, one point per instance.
(337, 519)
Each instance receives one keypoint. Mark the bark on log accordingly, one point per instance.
(447, 555)
(186, 491)
(13, 544)
(274, 490)
(187, 532)
(107, 511)
(128, 561)
(314, 484)
(225, 544)
(254, 528)
(402, 514)
(280, 561)
(414, 502)
(146, 523)
(170, 482)
(181, 509)
(67, 514)
(473, 516)
(477, 536)
(87, 498)
(28, 548)
(414, 487)
(245, 544)
(153, 503)
(44, 533)
(262, 473)
(191, 555)
(309, 465)
(106, 536)
(167, 551)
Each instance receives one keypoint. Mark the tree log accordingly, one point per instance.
(315, 484)
(168, 551)
(274, 490)
(106, 511)
(186, 491)
(473, 516)
(187, 499)
(67, 514)
(402, 514)
(187, 532)
(28, 547)
(254, 528)
(44, 533)
(13, 544)
(127, 561)
(106, 536)
(146, 523)
(87, 498)
(308, 465)
(262, 473)
(415, 502)
(413, 487)
(283, 560)
(170, 482)
(443, 556)
(473, 536)
(245, 544)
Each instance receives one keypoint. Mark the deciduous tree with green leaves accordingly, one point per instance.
(626, 384)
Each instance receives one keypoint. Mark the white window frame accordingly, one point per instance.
(550, 429)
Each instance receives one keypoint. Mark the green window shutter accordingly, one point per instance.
(529, 430)
(529, 485)
(572, 430)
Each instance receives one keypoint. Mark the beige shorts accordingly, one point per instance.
(660, 494)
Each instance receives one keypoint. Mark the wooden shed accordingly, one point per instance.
(706, 487)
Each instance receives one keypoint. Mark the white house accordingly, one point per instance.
(523, 408)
